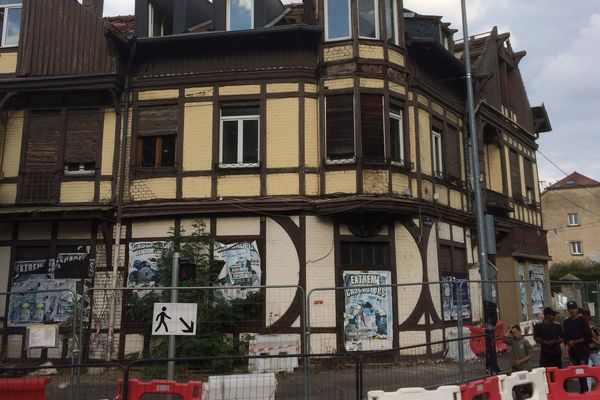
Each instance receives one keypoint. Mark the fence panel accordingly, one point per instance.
(230, 321)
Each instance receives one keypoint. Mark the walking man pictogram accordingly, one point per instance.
(162, 317)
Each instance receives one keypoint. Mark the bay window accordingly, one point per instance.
(337, 16)
(368, 19)
(10, 20)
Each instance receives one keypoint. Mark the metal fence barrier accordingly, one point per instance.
(307, 344)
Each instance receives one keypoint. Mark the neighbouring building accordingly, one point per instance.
(572, 218)
(324, 142)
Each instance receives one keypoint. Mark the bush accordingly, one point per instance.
(586, 270)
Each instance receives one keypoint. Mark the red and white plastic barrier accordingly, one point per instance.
(536, 378)
(557, 378)
(489, 387)
(136, 390)
(23, 388)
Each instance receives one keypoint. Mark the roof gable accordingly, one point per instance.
(574, 180)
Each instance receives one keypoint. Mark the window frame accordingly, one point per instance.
(228, 9)
(576, 219)
(336, 161)
(437, 153)
(395, 39)
(151, 12)
(400, 118)
(6, 9)
(574, 250)
(240, 139)
(326, 23)
(157, 155)
(377, 21)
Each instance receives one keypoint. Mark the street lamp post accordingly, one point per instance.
(489, 305)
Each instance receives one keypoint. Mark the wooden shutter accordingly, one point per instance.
(515, 174)
(340, 127)
(451, 158)
(157, 120)
(445, 258)
(528, 165)
(459, 260)
(371, 109)
(81, 140)
(40, 178)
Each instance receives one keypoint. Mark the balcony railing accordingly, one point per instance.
(497, 202)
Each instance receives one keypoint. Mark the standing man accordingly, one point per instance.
(521, 348)
(577, 336)
(549, 335)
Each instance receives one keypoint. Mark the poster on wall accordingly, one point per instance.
(33, 307)
(455, 297)
(75, 264)
(537, 276)
(143, 268)
(368, 318)
(522, 292)
(241, 267)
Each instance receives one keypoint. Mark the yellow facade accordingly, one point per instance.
(12, 145)
(425, 143)
(282, 184)
(282, 87)
(282, 133)
(239, 90)
(339, 83)
(375, 181)
(8, 193)
(337, 53)
(340, 182)
(396, 57)
(153, 189)
(238, 185)
(370, 51)
(197, 187)
(77, 192)
(8, 63)
(159, 94)
(197, 137)
(190, 93)
(108, 142)
(311, 133)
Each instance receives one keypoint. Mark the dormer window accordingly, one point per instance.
(159, 23)
(337, 15)
(10, 18)
(240, 15)
(368, 21)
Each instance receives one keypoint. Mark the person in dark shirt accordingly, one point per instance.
(549, 335)
(577, 336)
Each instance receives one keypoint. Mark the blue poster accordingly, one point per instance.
(456, 294)
(368, 316)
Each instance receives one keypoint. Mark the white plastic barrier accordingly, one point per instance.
(537, 379)
(453, 345)
(274, 344)
(441, 393)
(240, 387)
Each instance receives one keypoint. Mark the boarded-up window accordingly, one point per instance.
(445, 259)
(340, 127)
(81, 140)
(515, 174)
(364, 254)
(459, 260)
(40, 178)
(157, 132)
(371, 110)
(451, 142)
(528, 166)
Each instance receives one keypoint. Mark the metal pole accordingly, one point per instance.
(461, 355)
(489, 306)
(174, 295)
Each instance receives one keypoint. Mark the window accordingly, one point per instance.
(339, 128)
(157, 133)
(81, 142)
(576, 248)
(239, 136)
(391, 21)
(396, 135)
(436, 144)
(240, 15)
(573, 219)
(529, 181)
(452, 158)
(337, 15)
(373, 146)
(368, 19)
(364, 254)
(515, 174)
(10, 18)
(159, 23)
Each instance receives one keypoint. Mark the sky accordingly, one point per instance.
(561, 69)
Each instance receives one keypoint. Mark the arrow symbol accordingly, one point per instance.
(188, 328)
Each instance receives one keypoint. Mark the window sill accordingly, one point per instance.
(573, 226)
(155, 172)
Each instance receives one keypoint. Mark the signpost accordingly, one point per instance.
(174, 319)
